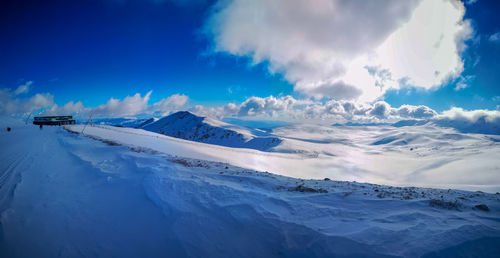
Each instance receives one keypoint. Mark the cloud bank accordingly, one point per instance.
(130, 106)
(12, 103)
(345, 49)
(15, 102)
(289, 108)
(347, 111)
(285, 108)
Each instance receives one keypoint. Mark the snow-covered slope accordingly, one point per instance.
(481, 125)
(185, 125)
(417, 156)
(67, 195)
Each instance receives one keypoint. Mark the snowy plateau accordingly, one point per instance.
(188, 186)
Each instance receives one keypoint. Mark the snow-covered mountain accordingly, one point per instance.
(481, 125)
(124, 192)
(185, 125)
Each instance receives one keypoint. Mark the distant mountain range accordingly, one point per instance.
(185, 125)
(480, 125)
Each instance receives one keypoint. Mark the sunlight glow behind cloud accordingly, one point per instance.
(326, 51)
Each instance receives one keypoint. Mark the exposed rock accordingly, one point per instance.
(482, 207)
(444, 204)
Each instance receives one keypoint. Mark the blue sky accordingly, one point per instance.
(91, 51)
(94, 50)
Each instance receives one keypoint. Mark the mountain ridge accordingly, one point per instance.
(185, 125)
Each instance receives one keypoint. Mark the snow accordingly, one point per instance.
(187, 126)
(481, 125)
(124, 192)
(422, 156)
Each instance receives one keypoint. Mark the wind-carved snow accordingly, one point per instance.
(77, 197)
(185, 125)
(426, 156)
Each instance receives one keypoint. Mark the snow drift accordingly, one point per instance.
(426, 156)
(67, 195)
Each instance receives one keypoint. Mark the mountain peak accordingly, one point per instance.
(183, 114)
(185, 125)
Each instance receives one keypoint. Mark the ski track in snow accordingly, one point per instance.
(72, 196)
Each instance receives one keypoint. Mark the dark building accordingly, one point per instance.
(53, 120)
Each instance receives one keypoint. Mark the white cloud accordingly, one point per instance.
(13, 104)
(70, 108)
(470, 121)
(24, 88)
(333, 111)
(416, 112)
(136, 105)
(285, 108)
(270, 105)
(168, 104)
(495, 37)
(457, 113)
(463, 82)
(427, 50)
(131, 105)
(341, 111)
(10, 103)
(327, 48)
(380, 110)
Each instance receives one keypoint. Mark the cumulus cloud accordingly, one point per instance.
(251, 107)
(284, 108)
(380, 110)
(336, 90)
(338, 111)
(330, 48)
(457, 113)
(70, 108)
(416, 112)
(137, 105)
(11, 103)
(470, 121)
(131, 105)
(342, 111)
(168, 104)
(270, 105)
